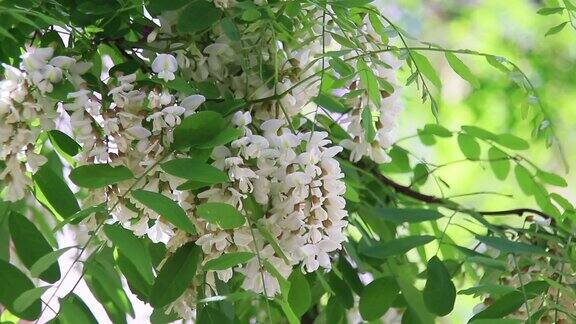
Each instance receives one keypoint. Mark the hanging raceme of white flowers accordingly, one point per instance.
(236, 160)
(289, 171)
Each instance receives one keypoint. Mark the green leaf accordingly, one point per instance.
(345, 42)
(195, 170)
(31, 245)
(56, 193)
(469, 146)
(228, 260)
(64, 143)
(330, 103)
(61, 91)
(99, 175)
(378, 27)
(158, 6)
(224, 137)
(421, 174)
(426, 68)
(491, 289)
(341, 67)
(463, 71)
(197, 16)
(46, 261)
(437, 130)
(404, 215)
(74, 311)
(488, 262)
(439, 293)
(7, 34)
(221, 214)
(130, 246)
(478, 132)
(368, 124)
(396, 246)
(334, 312)
(350, 275)
(551, 178)
(136, 282)
(524, 179)
(342, 292)
(512, 142)
(499, 162)
(251, 14)
(27, 298)
(105, 284)
(549, 11)
(556, 29)
(165, 207)
(4, 232)
(502, 306)
(212, 315)
(299, 295)
(176, 275)
(352, 3)
(508, 246)
(377, 297)
(23, 19)
(14, 284)
(197, 129)
(369, 81)
(179, 85)
(77, 217)
(496, 62)
(230, 29)
(413, 297)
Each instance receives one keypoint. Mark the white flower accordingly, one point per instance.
(138, 132)
(165, 65)
(191, 103)
(53, 74)
(158, 122)
(36, 58)
(242, 118)
(140, 227)
(16, 179)
(160, 232)
(214, 241)
(172, 115)
(63, 62)
(35, 161)
(157, 100)
(254, 273)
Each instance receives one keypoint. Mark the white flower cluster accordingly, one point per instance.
(219, 60)
(26, 110)
(387, 114)
(297, 181)
(291, 175)
(136, 130)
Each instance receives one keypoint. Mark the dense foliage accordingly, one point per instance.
(239, 161)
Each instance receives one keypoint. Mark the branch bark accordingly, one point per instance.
(407, 191)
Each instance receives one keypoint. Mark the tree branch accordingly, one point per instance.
(407, 191)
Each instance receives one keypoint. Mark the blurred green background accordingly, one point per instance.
(508, 28)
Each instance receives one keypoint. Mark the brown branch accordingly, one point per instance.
(407, 191)
(517, 211)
